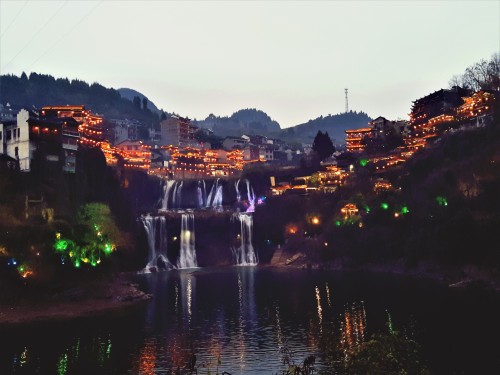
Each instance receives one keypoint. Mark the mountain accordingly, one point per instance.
(253, 121)
(335, 125)
(131, 93)
(39, 90)
(244, 121)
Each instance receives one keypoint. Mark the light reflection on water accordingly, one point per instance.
(245, 321)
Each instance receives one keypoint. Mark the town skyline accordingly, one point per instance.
(290, 59)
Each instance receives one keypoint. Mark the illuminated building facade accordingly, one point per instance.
(478, 107)
(79, 127)
(135, 154)
(354, 139)
(90, 126)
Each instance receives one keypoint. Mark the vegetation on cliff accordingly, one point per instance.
(443, 208)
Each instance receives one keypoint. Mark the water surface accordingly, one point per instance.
(244, 320)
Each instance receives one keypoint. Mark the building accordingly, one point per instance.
(29, 136)
(15, 140)
(177, 131)
(7, 113)
(135, 154)
(250, 152)
(383, 127)
(355, 137)
(441, 102)
(476, 108)
(78, 126)
(231, 143)
(90, 126)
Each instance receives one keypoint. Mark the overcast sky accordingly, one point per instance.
(291, 59)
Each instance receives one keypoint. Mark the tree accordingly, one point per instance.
(482, 75)
(144, 103)
(323, 145)
(137, 102)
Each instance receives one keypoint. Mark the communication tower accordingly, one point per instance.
(346, 102)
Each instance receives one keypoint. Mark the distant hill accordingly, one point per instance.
(335, 125)
(40, 90)
(244, 121)
(253, 121)
(131, 93)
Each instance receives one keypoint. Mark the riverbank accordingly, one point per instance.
(466, 276)
(88, 300)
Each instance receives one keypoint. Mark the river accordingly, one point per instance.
(246, 320)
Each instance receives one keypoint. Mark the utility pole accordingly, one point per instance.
(346, 102)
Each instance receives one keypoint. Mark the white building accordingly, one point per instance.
(231, 143)
(15, 140)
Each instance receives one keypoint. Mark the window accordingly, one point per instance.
(14, 133)
(8, 136)
(16, 151)
(18, 132)
(0, 135)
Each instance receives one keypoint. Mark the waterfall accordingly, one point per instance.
(187, 256)
(156, 230)
(202, 194)
(167, 188)
(245, 254)
(250, 201)
(177, 195)
(215, 196)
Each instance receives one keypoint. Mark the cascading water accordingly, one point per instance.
(214, 199)
(177, 195)
(201, 192)
(187, 256)
(245, 254)
(156, 230)
(167, 188)
(250, 202)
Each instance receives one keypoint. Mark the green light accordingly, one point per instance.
(384, 206)
(62, 365)
(108, 248)
(338, 223)
(363, 162)
(442, 201)
(61, 245)
(404, 210)
(367, 209)
(86, 251)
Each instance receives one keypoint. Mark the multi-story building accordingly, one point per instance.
(177, 131)
(90, 126)
(250, 152)
(476, 108)
(231, 143)
(15, 140)
(23, 138)
(135, 154)
(354, 139)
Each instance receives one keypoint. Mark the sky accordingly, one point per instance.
(291, 59)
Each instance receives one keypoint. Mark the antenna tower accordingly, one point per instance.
(346, 102)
